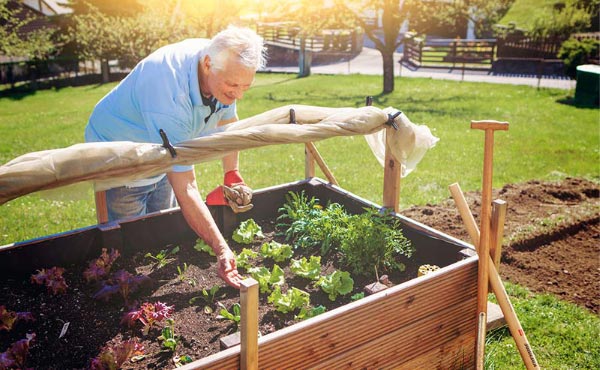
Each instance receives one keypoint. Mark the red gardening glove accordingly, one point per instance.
(234, 193)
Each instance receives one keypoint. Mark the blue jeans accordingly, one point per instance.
(136, 201)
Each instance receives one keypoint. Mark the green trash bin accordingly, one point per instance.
(587, 89)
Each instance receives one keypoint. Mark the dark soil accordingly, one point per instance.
(551, 236)
(550, 246)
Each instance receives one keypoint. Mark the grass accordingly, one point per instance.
(547, 140)
(520, 12)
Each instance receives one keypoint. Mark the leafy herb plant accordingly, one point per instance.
(208, 296)
(167, 337)
(309, 269)
(8, 318)
(162, 258)
(52, 278)
(277, 251)
(121, 282)
(114, 356)
(16, 355)
(148, 314)
(247, 232)
(100, 267)
(234, 316)
(201, 246)
(336, 283)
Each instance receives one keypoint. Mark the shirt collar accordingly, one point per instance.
(194, 82)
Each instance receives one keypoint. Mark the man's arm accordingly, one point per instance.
(231, 160)
(198, 216)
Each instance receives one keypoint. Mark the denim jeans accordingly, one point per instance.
(136, 201)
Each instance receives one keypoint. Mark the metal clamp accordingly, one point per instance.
(166, 143)
(391, 118)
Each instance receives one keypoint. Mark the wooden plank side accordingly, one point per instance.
(450, 355)
(411, 341)
(313, 342)
(316, 340)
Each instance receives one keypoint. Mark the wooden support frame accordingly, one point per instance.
(249, 324)
(101, 207)
(497, 231)
(391, 177)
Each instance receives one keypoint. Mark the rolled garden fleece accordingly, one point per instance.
(111, 164)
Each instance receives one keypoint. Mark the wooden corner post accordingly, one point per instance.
(249, 324)
(391, 176)
(101, 208)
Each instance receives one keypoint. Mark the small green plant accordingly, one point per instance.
(243, 259)
(310, 269)
(247, 232)
(290, 301)
(336, 283)
(201, 246)
(277, 251)
(234, 316)
(266, 279)
(167, 337)
(357, 296)
(308, 312)
(208, 296)
(162, 258)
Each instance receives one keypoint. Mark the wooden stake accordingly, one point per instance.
(312, 149)
(391, 177)
(309, 163)
(497, 230)
(516, 330)
(249, 324)
(486, 213)
(101, 208)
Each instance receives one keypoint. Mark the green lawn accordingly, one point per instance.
(521, 12)
(546, 140)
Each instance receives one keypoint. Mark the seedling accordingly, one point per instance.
(307, 269)
(52, 278)
(207, 296)
(162, 258)
(293, 299)
(243, 259)
(201, 246)
(121, 282)
(277, 251)
(16, 355)
(181, 274)
(266, 279)
(148, 314)
(168, 337)
(100, 267)
(234, 316)
(8, 319)
(307, 313)
(357, 296)
(247, 232)
(114, 356)
(336, 283)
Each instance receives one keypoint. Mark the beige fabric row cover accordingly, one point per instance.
(116, 163)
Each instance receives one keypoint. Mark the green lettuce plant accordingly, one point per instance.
(247, 232)
(336, 283)
(309, 269)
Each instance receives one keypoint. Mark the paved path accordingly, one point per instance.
(369, 62)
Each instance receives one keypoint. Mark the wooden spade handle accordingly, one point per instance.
(489, 125)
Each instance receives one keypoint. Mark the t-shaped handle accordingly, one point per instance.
(489, 125)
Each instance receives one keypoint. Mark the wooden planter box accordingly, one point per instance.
(427, 322)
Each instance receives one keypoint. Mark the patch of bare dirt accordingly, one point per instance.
(551, 236)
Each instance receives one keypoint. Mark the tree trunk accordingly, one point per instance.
(388, 71)
(105, 70)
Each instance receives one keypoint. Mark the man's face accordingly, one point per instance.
(229, 83)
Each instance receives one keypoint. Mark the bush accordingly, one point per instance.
(575, 52)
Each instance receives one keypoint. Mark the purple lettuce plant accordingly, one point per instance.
(16, 355)
(9, 318)
(100, 267)
(148, 314)
(121, 282)
(114, 356)
(52, 278)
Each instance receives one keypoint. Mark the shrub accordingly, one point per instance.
(575, 52)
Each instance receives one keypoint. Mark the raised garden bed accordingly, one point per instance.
(426, 321)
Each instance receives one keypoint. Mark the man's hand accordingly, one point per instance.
(227, 269)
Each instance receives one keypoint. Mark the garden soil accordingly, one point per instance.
(550, 246)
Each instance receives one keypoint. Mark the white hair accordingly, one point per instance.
(242, 43)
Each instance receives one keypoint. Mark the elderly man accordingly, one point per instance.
(184, 89)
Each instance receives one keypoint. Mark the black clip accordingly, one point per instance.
(369, 101)
(391, 119)
(166, 143)
(292, 116)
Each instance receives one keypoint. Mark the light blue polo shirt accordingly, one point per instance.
(162, 91)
